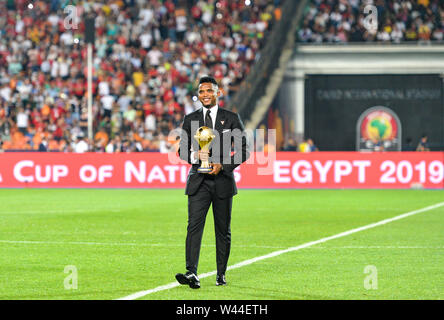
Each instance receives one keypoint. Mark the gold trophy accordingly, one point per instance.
(204, 136)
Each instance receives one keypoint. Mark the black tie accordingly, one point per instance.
(208, 120)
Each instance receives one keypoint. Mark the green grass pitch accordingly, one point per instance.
(123, 241)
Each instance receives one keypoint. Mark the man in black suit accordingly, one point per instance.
(216, 187)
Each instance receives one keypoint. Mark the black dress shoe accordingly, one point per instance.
(188, 278)
(220, 280)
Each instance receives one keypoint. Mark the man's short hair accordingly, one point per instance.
(208, 79)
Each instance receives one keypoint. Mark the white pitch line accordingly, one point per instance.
(279, 252)
(377, 247)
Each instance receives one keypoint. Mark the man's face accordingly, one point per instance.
(208, 94)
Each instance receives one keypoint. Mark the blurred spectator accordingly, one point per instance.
(311, 146)
(101, 139)
(423, 144)
(43, 145)
(307, 146)
(22, 120)
(291, 145)
(303, 146)
(81, 145)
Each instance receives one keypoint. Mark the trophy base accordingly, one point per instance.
(204, 170)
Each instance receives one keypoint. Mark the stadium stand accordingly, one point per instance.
(147, 58)
(342, 21)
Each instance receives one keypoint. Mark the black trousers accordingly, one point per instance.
(198, 205)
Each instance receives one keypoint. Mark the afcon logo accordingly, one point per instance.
(379, 129)
(378, 125)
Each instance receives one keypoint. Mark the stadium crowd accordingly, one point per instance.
(148, 55)
(344, 21)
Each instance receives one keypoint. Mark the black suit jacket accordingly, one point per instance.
(229, 131)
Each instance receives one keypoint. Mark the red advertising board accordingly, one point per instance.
(279, 170)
